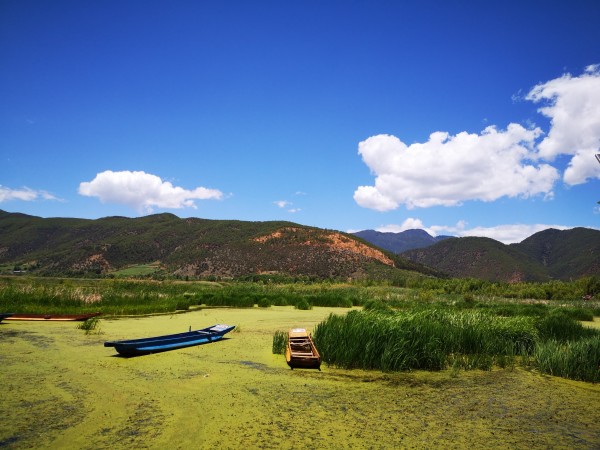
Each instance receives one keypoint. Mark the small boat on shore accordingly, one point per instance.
(52, 317)
(301, 351)
(4, 316)
(133, 347)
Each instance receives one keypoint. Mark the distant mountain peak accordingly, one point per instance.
(401, 241)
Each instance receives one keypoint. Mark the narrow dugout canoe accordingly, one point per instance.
(133, 347)
(301, 351)
(52, 317)
(4, 316)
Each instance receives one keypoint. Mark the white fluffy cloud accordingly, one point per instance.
(143, 191)
(448, 170)
(408, 224)
(573, 106)
(508, 234)
(24, 194)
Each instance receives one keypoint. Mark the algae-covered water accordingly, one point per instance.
(62, 389)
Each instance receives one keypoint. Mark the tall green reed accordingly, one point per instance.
(578, 360)
(426, 339)
(280, 339)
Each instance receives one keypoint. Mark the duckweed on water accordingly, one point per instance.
(69, 391)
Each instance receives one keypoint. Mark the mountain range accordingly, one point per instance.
(193, 247)
(546, 255)
(189, 247)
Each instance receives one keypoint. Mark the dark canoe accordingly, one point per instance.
(301, 351)
(52, 317)
(4, 316)
(157, 344)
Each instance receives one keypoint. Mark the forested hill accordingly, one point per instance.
(549, 254)
(189, 247)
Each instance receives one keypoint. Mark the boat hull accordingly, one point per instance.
(134, 347)
(300, 351)
(4, 316)
(52, 317)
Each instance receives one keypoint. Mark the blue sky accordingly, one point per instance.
(462, 118)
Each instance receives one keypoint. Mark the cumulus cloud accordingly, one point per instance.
(24, 194)
(573, 106)
(143, 191)
(408, 224)
(449, 170)
(507, 233)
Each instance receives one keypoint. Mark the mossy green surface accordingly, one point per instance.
(63, 389)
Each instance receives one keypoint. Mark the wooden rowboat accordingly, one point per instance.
(52, 317)
(133, 347)
(301, 351)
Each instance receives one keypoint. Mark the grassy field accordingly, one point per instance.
(63, 389)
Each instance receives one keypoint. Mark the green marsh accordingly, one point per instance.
(65, 390)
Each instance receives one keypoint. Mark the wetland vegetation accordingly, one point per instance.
(431, 365)
(433, 338)
(143, 296)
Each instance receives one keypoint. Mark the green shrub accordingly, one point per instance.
(303, 304)
(469, 300)
(183, 304)
(264, 303)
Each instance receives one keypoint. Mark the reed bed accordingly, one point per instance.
(427, 339)
(126, 297)
(578, 360)
(435, 339)
(119, 296)
(108, 296)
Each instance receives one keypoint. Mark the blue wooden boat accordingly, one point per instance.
(157, 344)
(4, 316)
